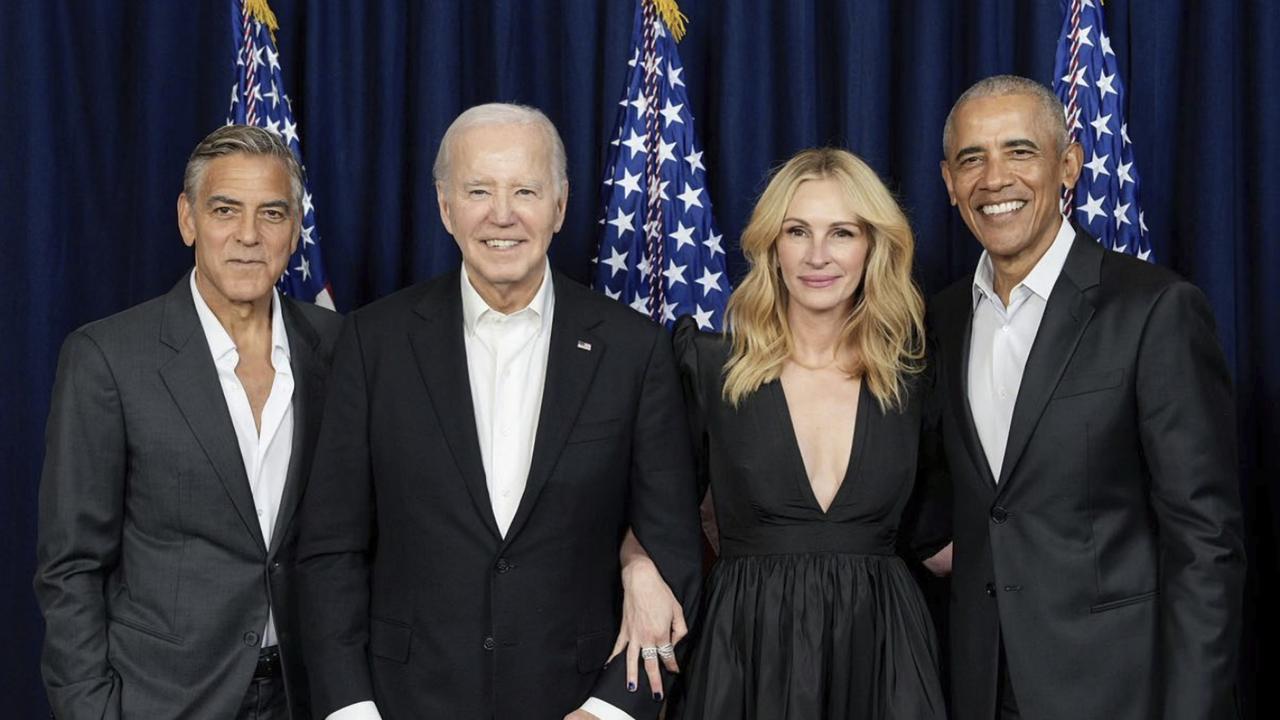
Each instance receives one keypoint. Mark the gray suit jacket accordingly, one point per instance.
(152, 575)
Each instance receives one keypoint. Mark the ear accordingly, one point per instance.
(561, 204)
(442, 201)
(1072, 164)
(946, 179)
(186, 221)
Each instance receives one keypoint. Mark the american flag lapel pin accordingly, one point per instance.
(584, 345)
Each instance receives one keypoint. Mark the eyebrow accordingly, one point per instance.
(224, 200)
(851, 223)
(1007, 145)
(480, 182)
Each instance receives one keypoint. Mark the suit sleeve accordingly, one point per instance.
(926, 524)
(81, 512)
(1187, 427)
(663, 505)
(336, 537)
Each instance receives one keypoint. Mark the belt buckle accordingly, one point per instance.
(268, 663)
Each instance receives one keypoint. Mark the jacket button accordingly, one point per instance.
(489, 643)
(999, 514)
(275, 567)
(990, 590)
(503, 565)
(251, 639)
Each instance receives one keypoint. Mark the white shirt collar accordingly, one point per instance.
(474, 307)
(1042, 277)
(220, 343)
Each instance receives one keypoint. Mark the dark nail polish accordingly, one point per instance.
(631, 687)
(657, 697)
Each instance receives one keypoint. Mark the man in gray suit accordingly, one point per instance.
(179, 437)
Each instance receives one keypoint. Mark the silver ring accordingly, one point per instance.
(666, 651)
(649, 653)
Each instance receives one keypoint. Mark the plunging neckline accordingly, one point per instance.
(855, 449)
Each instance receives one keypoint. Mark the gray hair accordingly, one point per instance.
(502, 114)
(241, 140)
(1051, 111)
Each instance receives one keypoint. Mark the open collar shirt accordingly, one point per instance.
(1001, 339)
(265, 452)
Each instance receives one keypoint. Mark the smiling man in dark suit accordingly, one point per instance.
(179, 438)
(488, 438)
(1088, 426)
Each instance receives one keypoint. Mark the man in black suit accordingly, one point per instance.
(1088, 425)
(488, 438)
(178, 442)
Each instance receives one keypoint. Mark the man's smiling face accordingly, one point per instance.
(1005, 172)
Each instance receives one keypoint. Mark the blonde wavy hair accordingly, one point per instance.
(885, 328)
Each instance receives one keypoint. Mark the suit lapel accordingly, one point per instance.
(192, 380)
(441, 354)
(570, 370)
(958, 367)
(1066, 316)
(308, 382)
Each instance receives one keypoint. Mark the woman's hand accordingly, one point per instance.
(651, 618)
(940, 563)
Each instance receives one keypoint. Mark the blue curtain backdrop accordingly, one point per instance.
(102, 101)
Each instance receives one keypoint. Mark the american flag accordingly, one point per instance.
(659, 252)
(258, 98)
(1087, 80)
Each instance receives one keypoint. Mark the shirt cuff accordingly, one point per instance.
(600, 709)
(359, 711)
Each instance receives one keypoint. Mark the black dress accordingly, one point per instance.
(806, 614)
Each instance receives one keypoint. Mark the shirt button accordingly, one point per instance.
(260, 511)
(489, 643)
(251, 639)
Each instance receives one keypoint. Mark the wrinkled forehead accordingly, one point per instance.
(243, 173)
(511, 150)
(996, 119)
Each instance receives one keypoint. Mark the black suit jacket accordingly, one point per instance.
(1108, 558)
(412, 598)
(152, 575)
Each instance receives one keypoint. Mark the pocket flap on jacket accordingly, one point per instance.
(389, 640)
(1089, 382)
(1123, 602)
(593, 650)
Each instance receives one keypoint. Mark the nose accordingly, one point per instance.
(817, 253)
(995, 174)
(247, 233)
(500, 210)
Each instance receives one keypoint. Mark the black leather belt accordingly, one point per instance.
(268, 663)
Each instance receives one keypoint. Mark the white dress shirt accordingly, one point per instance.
(266, 453)
(507, 367)
(1001, 339)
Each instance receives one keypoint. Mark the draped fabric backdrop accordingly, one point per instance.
(103, 100)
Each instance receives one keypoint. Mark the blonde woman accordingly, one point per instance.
(808, 418)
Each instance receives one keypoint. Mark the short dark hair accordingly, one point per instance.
(1001, 85)
(243, 140)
